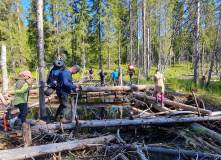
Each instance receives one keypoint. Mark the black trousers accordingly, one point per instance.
(23, 107)
(64, 105)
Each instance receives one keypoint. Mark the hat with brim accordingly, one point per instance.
(77, 67)
(27, 73)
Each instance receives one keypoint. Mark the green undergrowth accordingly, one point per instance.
(173, 76)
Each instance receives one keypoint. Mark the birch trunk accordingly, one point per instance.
(148, 53)
(57, 31)
(196, 44)
(131, 34)
(138, 43)
(202, 58)
(4, 69)
(41, 63)
(144, 35)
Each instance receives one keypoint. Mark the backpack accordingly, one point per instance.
(53, 75)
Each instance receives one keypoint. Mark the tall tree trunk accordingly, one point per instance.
(131, 34)
(159, 60)
(138, 43)
(84, 57)
(187, 59)
(196, 44)
(214, 50)
(99, 34)
(174, 57)
(148, 53)
(120, 69)
(41, 63)
(202, 58)
(144, 35)
(57, 32)
(109, 24)
(4, 69)
(19, 43)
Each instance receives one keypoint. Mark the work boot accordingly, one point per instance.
(162, 104)
(64, 120)
(11, 123)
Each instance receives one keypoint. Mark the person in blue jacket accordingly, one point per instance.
(63, 89)
(114, 76)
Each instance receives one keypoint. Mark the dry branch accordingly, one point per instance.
(175, 104)
(24, 153)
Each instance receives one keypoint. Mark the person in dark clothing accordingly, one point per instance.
(91, 74)
(102, 75)
(63, 89)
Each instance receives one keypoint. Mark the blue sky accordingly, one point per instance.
(25, 4)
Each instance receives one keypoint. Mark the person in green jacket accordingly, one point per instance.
(21, 96)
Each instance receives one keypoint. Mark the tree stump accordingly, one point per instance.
(27, 135)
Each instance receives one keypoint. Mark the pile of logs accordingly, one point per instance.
(141, 112)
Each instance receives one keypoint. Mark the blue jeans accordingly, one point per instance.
(23, 107)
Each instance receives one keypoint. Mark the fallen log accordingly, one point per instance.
(30, 152)
(126, 122)
(175, 93)
(175, 104)
(182, 153)
(169, 113)
(215, 136)
(52, 134)
(118, 88)
(30, 92)
(158, 106)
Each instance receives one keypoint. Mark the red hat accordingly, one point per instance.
(27, 73)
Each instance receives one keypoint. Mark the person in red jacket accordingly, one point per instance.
(131, 72)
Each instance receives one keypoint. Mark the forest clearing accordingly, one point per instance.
(110, 80)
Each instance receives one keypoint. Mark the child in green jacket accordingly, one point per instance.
(21, 96)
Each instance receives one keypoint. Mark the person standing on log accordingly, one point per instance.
(131, 72)
(102, 76)
(21, 96)
(63, 89)
(91, 74)
(114, 76)
(159, 86)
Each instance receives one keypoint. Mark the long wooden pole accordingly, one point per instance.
(30, 152)
(175, 104)
(118, 88)
(126, 122)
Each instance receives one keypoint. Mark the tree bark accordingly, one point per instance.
(126, 122)
(148, 53)
(144, 35)
(30, 152)
(196, 44)
(118, 88)
(131, 34)
(41, 63)
(4, 69)
(138, 43)
(26, 135)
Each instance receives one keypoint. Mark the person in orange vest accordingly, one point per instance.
(159, 86)
(131, 72)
